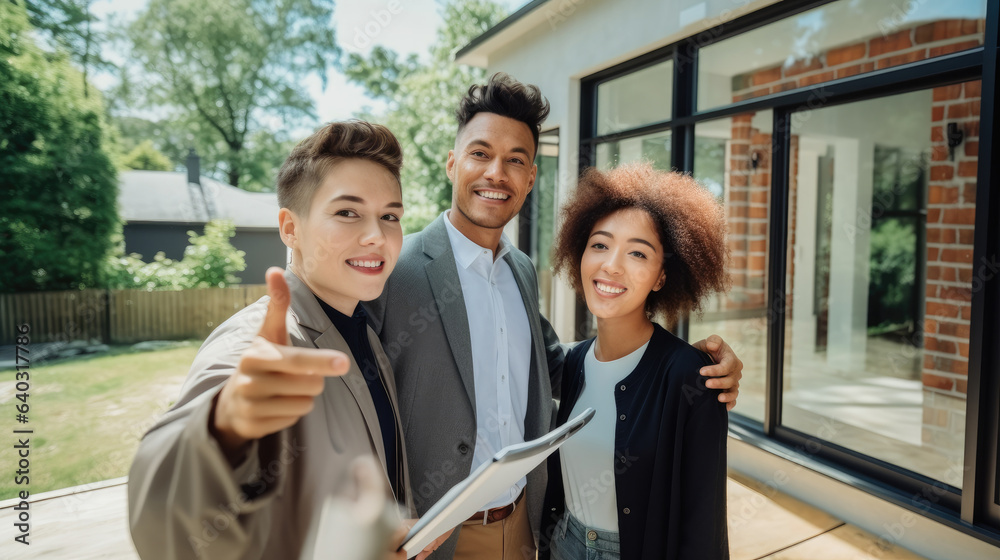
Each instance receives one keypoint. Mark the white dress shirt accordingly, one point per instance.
(588, 458)
(501, 348)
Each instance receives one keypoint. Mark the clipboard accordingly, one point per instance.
(509, 465)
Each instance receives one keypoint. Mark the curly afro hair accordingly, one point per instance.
(689, 221)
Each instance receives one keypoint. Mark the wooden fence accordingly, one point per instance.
(122, 316)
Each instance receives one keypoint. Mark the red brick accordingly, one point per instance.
(846, 71)
(737, 227)
(738, 180)
(956, 294)
(971, 129)
(958, 330)
(758, 246)
(933, 272)
(967, 315)
(930, 291)
(767, 76)
(973, 90)
(963, 349)
(932, 255)
(942, 195)
(737, 211)
(758, 229)
(867, 67)
(802, 66)
(937, 113)
(937, 134)
(842, 55)
(757, 262)
(761, 179)
(961, 256)
(784, 86)
(970, 26)
(966, 236)
(938, 382)
(948, 274)
(947, 236)
(741, 132)
(972, 148)
(962, 386)
(933, 234)
(738, 263)
(901, 59)
(959, 216)
(942, 173)
(968, 168)
(963, 275)
(890, 43)
(758, 212)
(952, 28)
(936, 309)
(960, 110)
(817, 78)
(974, 108)
(943, 346)
(930, 326)
(945, 93)
(939, 152)
(924, 34)
(759, 197)
(954, 47)
(933, 215)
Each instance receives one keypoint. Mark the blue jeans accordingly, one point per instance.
(574, 541)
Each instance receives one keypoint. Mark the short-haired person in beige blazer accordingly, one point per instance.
(287, 393)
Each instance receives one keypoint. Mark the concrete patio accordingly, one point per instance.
(90, 522)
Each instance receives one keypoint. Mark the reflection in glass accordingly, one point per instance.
(636, 99)
(834, 41)
(543, 213)
(654, 148)
(881, 218)
(732, 159)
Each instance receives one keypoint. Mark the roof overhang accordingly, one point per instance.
(477, 52)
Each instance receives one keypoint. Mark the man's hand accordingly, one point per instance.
(727, 371)
(275, 383)
(401, 533)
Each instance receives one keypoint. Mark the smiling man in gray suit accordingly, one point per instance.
(476, 365)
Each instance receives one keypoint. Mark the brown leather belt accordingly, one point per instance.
(498, 514)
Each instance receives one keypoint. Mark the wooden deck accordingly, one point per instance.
(90, 522)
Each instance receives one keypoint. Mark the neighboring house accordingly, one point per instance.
(849, 142)
(160, 207)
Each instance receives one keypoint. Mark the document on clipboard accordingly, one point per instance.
(509, 465)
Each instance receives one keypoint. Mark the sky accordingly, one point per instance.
(359, 26)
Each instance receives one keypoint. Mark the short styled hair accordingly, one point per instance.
(507, 97)
(689, 221)
(310, 160)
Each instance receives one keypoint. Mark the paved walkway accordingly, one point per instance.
(90, 522)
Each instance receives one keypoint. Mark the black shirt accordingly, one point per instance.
(670, 455)
(354, 329)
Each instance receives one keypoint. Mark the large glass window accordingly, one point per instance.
(834, 41)
(654, 148)
(733, 160)
(636, 99)
(881, 221)
(543, 214)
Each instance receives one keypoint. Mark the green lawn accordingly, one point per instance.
(88, 414)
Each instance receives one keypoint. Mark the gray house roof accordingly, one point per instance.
(166, 196)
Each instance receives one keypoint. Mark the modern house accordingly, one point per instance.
(850, 144)
(160, 207)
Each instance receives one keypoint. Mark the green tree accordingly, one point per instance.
(421, 99)
(69, 25)
(59, 183)
(222, 68)
(145, 156)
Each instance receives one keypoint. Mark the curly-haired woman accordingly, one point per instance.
(647, 477)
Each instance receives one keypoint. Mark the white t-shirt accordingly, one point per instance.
(588, 458)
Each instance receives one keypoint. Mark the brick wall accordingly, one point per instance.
(747, 213)
(882, 51)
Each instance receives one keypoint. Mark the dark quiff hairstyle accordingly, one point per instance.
(507, 97)
(310, 161)
(689, 221)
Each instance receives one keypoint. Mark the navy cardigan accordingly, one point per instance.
(670, 455)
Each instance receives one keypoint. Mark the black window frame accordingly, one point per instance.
(974, 509)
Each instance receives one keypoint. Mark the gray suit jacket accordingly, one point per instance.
(422, 322)
(186, 501)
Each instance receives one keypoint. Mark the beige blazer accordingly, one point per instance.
(186, 501)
